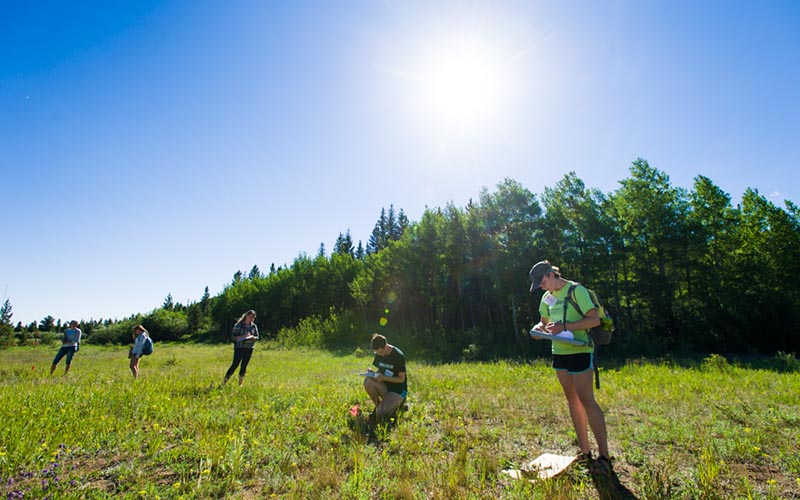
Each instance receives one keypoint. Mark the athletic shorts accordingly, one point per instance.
(573, 363)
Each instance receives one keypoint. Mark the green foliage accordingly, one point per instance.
(677, 269)
(115, 333)
(676, 432)
(6, 329)
(163, 324)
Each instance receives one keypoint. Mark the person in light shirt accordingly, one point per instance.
(573, 363)
(140, 335)
(70, 343)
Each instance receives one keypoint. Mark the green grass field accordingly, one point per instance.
(703, 430)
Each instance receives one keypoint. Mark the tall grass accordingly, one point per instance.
(708, 430)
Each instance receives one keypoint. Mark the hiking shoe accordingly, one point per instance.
(584, 458)
(603, 464)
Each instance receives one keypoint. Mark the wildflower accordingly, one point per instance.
(747, 429)
(771, 482)
(177, 485)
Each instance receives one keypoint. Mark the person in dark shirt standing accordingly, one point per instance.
(245, 334)
(387, 386)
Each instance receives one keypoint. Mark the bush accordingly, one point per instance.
(115, 333)
(166, 325)
(786, 362)
(716, 362)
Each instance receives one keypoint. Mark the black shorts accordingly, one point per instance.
(573, 363)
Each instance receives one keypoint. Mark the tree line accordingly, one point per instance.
(677, 268)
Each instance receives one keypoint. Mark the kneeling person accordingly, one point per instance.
(388, 388)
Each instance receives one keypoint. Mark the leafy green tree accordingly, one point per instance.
(714, 225)
(652, 215)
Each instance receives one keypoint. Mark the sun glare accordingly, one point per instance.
(462, 85)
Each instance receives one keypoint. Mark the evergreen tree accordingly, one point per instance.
(380, 234)
(204, 301)
(344, 244)
(237, 277)
(168, 305)
(255, 273)
(360, 252)
(6, 330)
(47, 324)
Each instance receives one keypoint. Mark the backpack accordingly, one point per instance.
(601, 334)
(147, 348)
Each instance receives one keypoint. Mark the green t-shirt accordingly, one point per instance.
(555, 312)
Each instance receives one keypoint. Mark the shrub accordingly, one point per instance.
(786, 362)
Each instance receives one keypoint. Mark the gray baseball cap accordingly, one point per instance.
(537, 273)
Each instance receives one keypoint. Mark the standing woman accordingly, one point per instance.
(140, 335)
(70, 343)
(573, 364)
(245, 334)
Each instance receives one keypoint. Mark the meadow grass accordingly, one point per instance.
(707, 430)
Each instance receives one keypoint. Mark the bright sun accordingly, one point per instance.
(462, 85)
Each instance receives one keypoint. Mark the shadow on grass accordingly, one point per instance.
(608, 484)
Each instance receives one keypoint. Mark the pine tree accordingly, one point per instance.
(255, 272)
(47, 324)
(344, 244)
(380, 234)
(360, 253)
(168, 305)
(6, 330)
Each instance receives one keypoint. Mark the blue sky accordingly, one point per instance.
(155, 147)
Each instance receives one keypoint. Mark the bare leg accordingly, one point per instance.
(597, 421)
(391, 401)
(576, 410)
(376, 390)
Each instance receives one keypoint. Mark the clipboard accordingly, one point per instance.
(547, 336)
